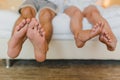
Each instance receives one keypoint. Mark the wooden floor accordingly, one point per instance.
(61, 70)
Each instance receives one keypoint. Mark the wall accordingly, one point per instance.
(14, 4)
(107, 3)
(10, 4)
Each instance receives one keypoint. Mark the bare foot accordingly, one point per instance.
(86, 35)
(36, 34)
(107, 37)
(17, 39)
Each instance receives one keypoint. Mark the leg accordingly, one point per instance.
(8, 63)
(106, 36)
(46, 17)
(81, 36)
(19, 32)
(40, 34)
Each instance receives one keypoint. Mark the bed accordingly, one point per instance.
(62, 45)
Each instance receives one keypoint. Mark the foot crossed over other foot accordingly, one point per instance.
(36, 35)
(86, 35)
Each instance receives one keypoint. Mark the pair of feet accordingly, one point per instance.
(35, 33)
(104, 31)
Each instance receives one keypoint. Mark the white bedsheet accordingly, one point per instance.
(60, 23)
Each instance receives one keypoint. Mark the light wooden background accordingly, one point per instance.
(108, 3)
(10, 4)
(14, 4)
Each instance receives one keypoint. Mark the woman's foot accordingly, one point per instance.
(107, 37)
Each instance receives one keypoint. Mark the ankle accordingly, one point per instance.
(76, 33)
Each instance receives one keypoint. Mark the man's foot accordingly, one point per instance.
(36, 34)
(17, 39)
(107, 37)
(86, 35)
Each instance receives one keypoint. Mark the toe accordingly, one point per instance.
(28, 21)
(21, 25)
(31, 25)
